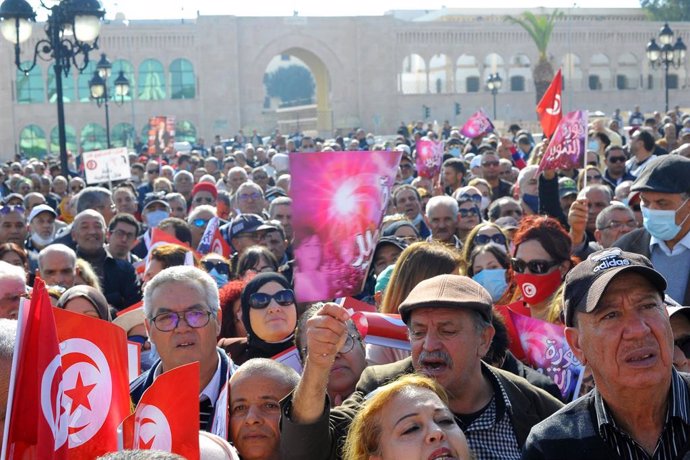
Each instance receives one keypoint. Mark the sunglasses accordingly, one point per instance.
(259, 300)
(203, 199)
(537, 267)
(684, 344)
(498, 238)
(489, 163)
(477, 198)
(597, 177)
(199, 223)
(140, 339)
(617, 159)
(12, 208)
(220, 266)
(77, 189)
(468, 212)
(153, 171)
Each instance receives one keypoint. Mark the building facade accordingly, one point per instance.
(372, 72)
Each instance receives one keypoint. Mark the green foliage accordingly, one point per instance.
(538, 27)
(294, 85)
(667, 10)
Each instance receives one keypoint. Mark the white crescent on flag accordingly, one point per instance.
(151, 429)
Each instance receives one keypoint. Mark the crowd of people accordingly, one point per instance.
(602, 250)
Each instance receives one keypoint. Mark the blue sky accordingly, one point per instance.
(173, 9)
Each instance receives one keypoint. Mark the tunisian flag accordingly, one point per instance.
(213, 241)
(94, 381)
(167, 416)
(36, 426)
(549, 108)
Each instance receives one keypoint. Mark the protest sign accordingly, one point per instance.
(567, 146)
(429, 158)
(106, 165)
(477, 125)
(340, 199)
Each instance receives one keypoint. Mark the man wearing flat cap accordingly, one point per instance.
(617, 324)
(449, 322)
(664, 189)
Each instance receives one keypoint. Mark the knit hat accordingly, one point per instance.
(205, 187)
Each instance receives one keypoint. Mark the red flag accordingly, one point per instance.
(382, 329)
(36, 422)
(549, 108)
(167, 416)
(213, 241)
(95, 382)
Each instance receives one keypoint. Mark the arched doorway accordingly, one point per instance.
(307, 110)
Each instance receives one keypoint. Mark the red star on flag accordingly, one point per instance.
(79, 394)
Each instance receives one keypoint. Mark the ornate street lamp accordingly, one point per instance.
(667, 54)
(493, 84)
(72, 31)
(98, 87)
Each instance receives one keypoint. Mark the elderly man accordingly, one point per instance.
(12, 289)
(41, 232)
(184, 183)
(617, 323)
(613, 222)
(442, 219)
(125, 199)
(235, 177)
(280, 209)
(57, 265)
(528, 189)
(449, 321)
(181, 307)
(407, 201)
(665, 238)
(250, 199)
(505, 207)
(204, 193)
(118, 279)
(257, 388)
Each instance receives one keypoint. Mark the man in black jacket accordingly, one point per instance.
(449, 321)
(616, 323)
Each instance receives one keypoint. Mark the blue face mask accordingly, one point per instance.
(625, 201)
(148, 358)
(221, 279)
(532, 201)
(662, 224)
(493, 280)
(155, 217)
(593, 145)
(455, 151)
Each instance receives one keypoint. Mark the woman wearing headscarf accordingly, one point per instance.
(85, 300)
(269, 315)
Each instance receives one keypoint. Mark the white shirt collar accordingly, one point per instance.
(212, 389)
(680, 247)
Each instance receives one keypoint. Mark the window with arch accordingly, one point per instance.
(151, 81)
(466, 67)
(32, 141)
(185, 131)
(70, 135)
(517, 83)
(182, 79)
(83, 91)
(440, 73)
(67, 86)
(93, 137)
(128, 69)
(30, 89)
(412, 78)
(123, 135)
(594, 82)
(472, 84)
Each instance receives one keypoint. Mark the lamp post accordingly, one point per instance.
(98, 87)
(494, 83)
(667, 54)
(71, 31)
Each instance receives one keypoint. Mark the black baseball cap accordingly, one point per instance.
(667, 174)
(155, 197)
(245, 223)
(587, 281)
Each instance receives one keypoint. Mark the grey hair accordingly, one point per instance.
(525, 175)
(183, 172)
(251, 185)
(92, 197)
(238, 169)
(8, 335)
(280, 201)
(87, 213)
(604, 217)
(9, 271)
(198, 210)
(605, 189)
(442, 200)
(183, 274)
(57, 249)
(268, 367)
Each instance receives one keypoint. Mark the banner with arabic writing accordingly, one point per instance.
(567, 146)
(548, 352)
(429, 158)
(477, 125)
(340, 199)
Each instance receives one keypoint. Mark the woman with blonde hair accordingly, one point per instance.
(408, 418)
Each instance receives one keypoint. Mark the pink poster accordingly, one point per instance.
(477, 125)
(340, 199)
(548, 352)
(567, 145)
(429, 158)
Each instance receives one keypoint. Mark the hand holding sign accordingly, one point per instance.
(326, 334)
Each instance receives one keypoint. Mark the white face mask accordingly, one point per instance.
(486, 201)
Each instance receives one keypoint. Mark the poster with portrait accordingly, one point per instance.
(429, 157)
(161, 134)
(339, 200)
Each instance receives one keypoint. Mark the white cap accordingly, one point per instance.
(38, 209)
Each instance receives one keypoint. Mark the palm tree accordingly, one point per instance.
(539, 28)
